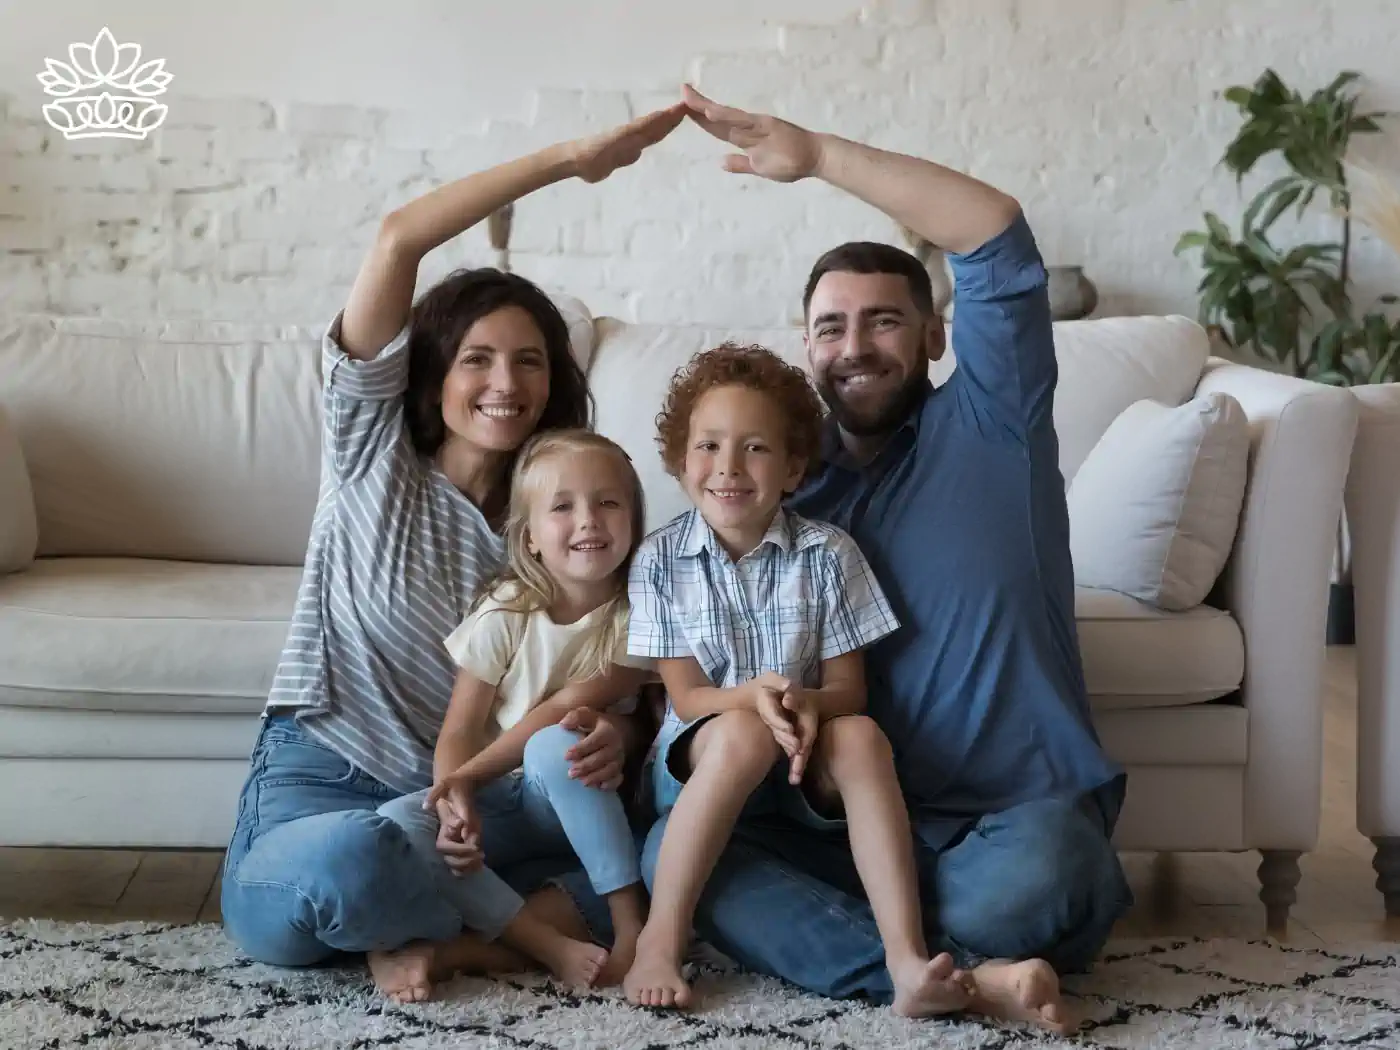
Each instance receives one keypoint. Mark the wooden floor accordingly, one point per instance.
(1207, 895)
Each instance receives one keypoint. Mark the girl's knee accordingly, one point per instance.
(546, 752)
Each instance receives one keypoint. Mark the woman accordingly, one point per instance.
(425, 408)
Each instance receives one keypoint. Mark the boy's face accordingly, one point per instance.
(737, 467)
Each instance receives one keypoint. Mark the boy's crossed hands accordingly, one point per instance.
(790, 715)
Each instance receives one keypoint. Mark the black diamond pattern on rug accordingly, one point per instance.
(148, 987)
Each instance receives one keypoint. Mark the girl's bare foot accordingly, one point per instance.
(655, 978)
(575, 963)
(405, 975)
(926, 987)
(1021, 991)
(620, 958)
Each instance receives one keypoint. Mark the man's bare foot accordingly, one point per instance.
(927, 987)
(655, 978)
(405, 975)
(620, 959)
(575, 963)
(1021, 991)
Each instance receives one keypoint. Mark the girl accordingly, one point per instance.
(425, 407)
(555, 618)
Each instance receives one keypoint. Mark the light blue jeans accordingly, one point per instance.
(552, 813)
(314, 868)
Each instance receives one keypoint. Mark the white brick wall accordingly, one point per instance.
(1102, 116)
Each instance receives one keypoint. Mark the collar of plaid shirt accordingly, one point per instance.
(699, 536)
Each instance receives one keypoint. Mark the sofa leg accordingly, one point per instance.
(1278, 886)
(1387, 865)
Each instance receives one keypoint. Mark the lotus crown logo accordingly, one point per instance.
(105, 90)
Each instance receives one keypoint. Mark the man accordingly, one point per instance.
(956, 498)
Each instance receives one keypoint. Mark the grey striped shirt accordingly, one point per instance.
(395, 557)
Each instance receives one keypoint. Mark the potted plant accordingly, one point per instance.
(1293, 306)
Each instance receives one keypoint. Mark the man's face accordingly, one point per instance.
(869, 348)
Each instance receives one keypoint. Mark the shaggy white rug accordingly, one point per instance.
(144, 987)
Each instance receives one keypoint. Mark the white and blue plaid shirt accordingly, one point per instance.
(805, 594)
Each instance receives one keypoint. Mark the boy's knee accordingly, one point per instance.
(852, 742)
(546, 751)
(741, 740)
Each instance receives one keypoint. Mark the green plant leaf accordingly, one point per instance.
(1240, 96)
(1186, 241)
(1281, 203)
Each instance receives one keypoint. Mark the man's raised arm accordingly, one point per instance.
(949, 209)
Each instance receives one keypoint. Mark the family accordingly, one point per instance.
(875, 774)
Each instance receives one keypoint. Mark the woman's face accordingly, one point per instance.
(497, 385)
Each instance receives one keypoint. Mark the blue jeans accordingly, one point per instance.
(1038, 881)
(314, 869)
(538, 811)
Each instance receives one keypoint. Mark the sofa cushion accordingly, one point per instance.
(138, 635)
(1155, 507)
(19, 529)
(1137, 655)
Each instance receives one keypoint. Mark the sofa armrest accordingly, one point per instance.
(1276, 585)
(1373, 521)
(19, 528)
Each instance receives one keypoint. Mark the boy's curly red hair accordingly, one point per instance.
(755, 367)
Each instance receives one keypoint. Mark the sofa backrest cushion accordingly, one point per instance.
(1105, 365)
(192, 441)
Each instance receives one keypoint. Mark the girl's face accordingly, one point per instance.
(581, 517)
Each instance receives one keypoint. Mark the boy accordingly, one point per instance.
(757, 619)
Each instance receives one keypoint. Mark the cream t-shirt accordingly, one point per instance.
(526, 657)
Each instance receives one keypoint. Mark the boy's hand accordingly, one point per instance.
(769, 704)
(805, 722)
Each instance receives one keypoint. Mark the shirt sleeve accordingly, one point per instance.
(626, 659)
(363, 402)
(652, 629)
(1002, 337)
(484, 644)
(856, 611)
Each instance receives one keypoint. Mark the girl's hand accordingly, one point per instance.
(459, 824)
(599, 758)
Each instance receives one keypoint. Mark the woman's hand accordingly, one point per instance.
(594, 158)
(599, 758)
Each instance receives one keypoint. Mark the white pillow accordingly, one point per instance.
(1154, 508)
(580, 321)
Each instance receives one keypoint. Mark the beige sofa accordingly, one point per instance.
(1373, 518)
(172, 470)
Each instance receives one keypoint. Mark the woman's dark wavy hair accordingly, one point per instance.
(441, 320)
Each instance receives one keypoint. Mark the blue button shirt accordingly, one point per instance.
(963, 518)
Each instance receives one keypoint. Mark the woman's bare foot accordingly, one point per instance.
(655, 977)
(405, 975)
(620, 958)
(575, 963)
(1021, 991)
(927, 987)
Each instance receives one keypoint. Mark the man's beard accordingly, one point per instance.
(876, 420)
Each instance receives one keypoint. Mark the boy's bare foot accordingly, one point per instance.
(575, 963)
(655, 978)
(926, 987)
(405, 975)
(620, 958)
(1021, 991)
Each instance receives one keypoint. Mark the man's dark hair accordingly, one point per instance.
(873, 257)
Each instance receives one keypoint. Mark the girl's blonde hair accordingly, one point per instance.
(523, 586)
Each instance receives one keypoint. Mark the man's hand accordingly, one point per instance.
(773, 148)
(595, 158)
(598, 760)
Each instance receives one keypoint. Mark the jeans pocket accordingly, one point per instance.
(294, 758)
